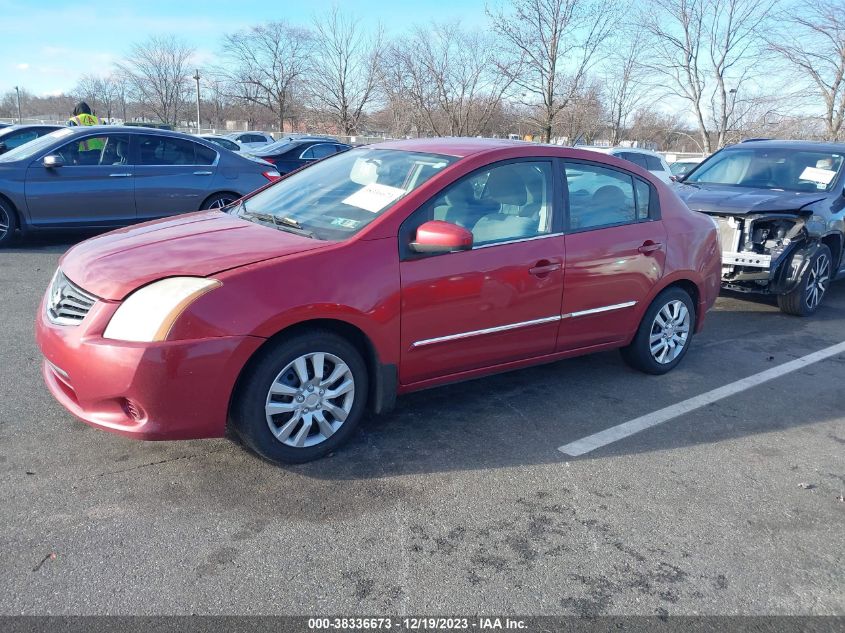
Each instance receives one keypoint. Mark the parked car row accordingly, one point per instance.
(386, 269)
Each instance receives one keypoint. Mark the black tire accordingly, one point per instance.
(219, 200)
(8, 223)
(802, 301)
(639, 353)
(249, 419)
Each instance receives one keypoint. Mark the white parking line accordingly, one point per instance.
(626, 429)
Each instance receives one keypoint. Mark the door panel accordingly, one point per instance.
(499, 302)
(462, 293)
(95, 187)
(606, 270)
(172, 176)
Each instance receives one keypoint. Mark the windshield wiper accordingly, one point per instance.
(283, 224)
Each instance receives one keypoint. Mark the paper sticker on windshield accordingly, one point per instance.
(346, 223)
(374, 197)
(814, 174)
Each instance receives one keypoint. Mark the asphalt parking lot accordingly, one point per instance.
(458, 502)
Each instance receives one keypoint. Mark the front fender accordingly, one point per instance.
(792, 268)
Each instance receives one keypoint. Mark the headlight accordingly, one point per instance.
(148, 313)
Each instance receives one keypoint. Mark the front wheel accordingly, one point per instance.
(664, 334)
(301, 398)
(808, 295)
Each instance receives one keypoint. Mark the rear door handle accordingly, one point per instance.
(649, 247)
(119, 175)
(543, 268)
(203, 173)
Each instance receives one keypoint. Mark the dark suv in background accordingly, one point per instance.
(780, 209)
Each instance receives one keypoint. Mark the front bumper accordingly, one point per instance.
(152, 391)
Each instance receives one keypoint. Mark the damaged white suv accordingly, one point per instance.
(780, 208)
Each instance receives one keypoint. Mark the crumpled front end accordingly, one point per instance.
(763, 253)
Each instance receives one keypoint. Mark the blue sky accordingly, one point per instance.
(46, 45)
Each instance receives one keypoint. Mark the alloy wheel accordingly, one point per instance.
(669, 332)
(817, 281)
(5, 222)
(310, 399)
(221, 202)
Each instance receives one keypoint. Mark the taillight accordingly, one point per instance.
(272, 175)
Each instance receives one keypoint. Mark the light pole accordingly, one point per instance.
(197, 79)
(18, 92)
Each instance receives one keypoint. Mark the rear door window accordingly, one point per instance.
(166, 150)
(599, 196)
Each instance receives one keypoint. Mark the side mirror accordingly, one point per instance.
(437, 236)
(52, 161)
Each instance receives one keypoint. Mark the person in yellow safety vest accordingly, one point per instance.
(82, 115)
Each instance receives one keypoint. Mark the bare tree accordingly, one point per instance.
(158, 74)
(582, 117)
(344, 72)
(550, 46)
(703, 51)
(812, 40)
(622, 77)
(450, 77)
(265, 63)
(103, 94)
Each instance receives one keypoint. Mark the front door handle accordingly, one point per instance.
(119, 175)
(543, 268)
(650, 247)
(203, 173)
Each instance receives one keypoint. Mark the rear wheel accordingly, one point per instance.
(8, 223)
(219, 200)
(808, 295)
(664, 334)
(302, 398)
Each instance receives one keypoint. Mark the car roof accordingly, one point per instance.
(451, 146)
(620, 148)
(128, 129)
(18, 126)
(825, 146)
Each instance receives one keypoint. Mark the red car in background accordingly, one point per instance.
(376, 272)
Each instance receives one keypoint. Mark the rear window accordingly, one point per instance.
(653, 163)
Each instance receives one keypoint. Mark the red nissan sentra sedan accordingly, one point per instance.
(375, 272)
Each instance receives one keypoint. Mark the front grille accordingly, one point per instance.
(67, 303)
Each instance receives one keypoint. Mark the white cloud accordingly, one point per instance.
(23, 66)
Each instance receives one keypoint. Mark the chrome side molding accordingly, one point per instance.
(521, 324)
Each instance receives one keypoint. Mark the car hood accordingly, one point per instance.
(729, 200)
(198, 244)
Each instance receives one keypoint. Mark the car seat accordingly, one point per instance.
(505, 188)
(608, 206)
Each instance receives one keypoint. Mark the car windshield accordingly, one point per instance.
(337, 197)
(763, 168)
(679, 169)
(28, 150)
